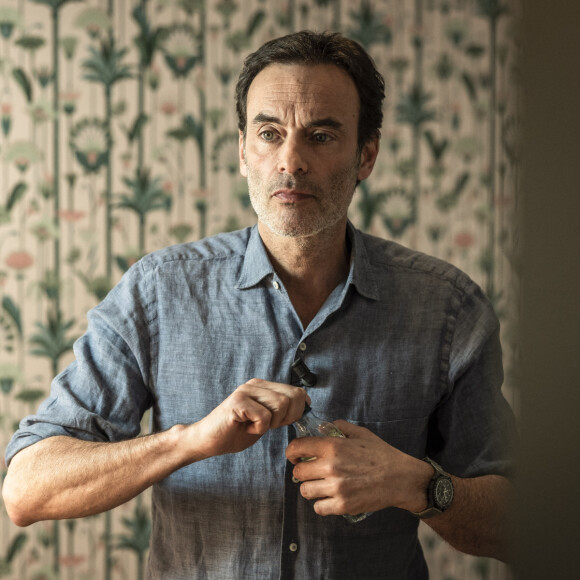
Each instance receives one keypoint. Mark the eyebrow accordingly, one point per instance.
(325, 122)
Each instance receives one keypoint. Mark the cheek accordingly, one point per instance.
(255, 179)
(257, 161)
(344, 177)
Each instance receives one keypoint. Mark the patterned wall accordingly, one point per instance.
(118, 137)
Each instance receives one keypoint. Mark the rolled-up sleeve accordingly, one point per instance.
(104, 393)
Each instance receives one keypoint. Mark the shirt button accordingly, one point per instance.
(302, 346)
(276, 285)
(293, 547)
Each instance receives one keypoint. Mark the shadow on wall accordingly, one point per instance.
(548, 500)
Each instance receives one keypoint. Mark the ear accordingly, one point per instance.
(368, 157)
(243, 167)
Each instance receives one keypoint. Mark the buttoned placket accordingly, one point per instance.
(290, 544)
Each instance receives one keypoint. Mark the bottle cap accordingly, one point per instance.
(306, 376)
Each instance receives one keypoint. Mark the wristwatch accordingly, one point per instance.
(439, 492)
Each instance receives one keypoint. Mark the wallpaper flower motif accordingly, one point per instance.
(118, 137)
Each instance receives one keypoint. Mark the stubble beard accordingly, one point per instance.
(327, 209)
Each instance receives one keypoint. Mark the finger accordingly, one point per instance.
(298, 403)
(257, 417)
(285, 402)
(312, 447)
(259, 402)
(330, 496)
(298, 449)
(316, 489)
(330, 507)
(245, 408)
(309, 468)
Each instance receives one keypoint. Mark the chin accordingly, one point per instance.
(294, 229)
(291, 223)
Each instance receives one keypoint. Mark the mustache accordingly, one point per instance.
(292, 182)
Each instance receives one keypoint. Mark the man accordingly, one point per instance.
(404, 346)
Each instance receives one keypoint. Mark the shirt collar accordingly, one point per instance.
(361, 272)
(257, 265)
(256, 262)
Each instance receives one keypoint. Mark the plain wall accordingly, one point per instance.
(548, 494)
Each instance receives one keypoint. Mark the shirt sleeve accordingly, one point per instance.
(473, 432)
(104, 393)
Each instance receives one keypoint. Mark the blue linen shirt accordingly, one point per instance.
(407, 346)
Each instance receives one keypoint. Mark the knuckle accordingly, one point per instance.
(336, 488)
(332, 470)
(238, 394)
(253, 382)
(333, 444)
(299, 393)
(343, 507)
(341, 487)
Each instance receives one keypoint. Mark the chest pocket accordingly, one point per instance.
(406, 435)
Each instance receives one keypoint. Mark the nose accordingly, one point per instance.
(292, 156)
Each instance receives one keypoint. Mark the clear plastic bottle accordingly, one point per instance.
(309, 425)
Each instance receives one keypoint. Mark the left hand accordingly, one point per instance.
(360, 473)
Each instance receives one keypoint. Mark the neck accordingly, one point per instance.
(310, 267)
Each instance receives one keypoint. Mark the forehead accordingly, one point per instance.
(316, 89)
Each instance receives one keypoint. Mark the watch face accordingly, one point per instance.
(443, 493)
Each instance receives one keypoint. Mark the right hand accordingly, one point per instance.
(249, 412)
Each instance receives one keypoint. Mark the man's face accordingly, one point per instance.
(300, 152)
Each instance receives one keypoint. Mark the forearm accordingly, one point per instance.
(477, 521)
(63, 477)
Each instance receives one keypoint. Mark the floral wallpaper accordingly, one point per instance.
(118, 136)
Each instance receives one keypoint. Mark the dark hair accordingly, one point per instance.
(313, 48)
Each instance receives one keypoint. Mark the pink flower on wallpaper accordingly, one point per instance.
(90, 140)
(200, 193)
(22, 153)
(181, 48)
(44, 229)
(71, 561)
(95, 21)
(69, 101)
(22, 163)
(70, 215)
(168, 107)
(6, 118)
(19, 260)
(464, 240)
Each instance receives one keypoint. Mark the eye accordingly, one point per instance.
(267, 135)
(321, 137)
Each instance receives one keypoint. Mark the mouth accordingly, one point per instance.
(291, 195)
